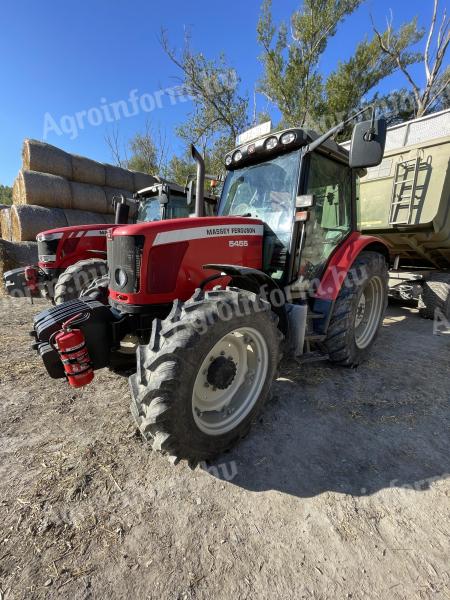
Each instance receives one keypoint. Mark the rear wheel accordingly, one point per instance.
(78, 279)
(358, 310)
(206, 373)
(435, 297)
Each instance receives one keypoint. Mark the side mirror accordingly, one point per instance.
(190, 192)
(368, 141)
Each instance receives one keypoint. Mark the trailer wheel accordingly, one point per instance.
(206, 373)
(435, 297)
(78, 278)
(358, 310)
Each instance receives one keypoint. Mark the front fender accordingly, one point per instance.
(258, 282)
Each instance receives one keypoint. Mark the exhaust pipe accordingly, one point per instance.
(200, 187)
(122, 210)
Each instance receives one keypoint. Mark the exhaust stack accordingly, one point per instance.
(200, 187)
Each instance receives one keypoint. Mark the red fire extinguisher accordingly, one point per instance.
(31, 279)
(71, 346)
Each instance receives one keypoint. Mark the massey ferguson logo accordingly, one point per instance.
(235, 230)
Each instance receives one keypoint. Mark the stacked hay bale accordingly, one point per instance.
(53, 178)
(57, 189)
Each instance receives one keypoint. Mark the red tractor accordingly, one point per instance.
(72, 260)
(212, 302)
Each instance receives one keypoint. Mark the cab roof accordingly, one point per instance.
(256, 150)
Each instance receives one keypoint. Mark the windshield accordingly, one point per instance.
(265, 191)
(152, 210)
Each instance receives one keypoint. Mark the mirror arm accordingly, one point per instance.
(326, 136)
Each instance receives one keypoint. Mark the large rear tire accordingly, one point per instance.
(206, 373)
(358, 311)
(435, 297)
(78, 278)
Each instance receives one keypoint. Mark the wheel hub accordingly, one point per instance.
(229, 380)
(221, 372)
(369, 311)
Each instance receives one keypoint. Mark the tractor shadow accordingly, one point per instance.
(354, 431)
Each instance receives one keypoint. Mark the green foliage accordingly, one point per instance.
(352, 80)
(5, 194)
(292, 80)
(180, 169)
(144, 155)
(213, 85)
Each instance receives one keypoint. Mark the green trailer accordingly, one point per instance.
(406, 201)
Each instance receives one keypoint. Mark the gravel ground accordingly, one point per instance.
(341, 491)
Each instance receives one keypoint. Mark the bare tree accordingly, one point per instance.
(436, 81)
(112, 139)
(148, 150)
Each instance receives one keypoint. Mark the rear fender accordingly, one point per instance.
(342, 260)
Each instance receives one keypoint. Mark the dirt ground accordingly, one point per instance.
(341, 491)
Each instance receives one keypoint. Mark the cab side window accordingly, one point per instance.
(330, 220)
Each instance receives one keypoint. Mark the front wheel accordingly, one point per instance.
(206, 373)
(78, 279)
(358, 311)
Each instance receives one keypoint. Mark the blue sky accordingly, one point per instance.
(63, 58)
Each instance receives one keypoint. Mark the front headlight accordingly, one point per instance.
(271, 143)
(288, 138)
(121, 278)
(237, 156)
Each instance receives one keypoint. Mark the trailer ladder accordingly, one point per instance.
(404, 190)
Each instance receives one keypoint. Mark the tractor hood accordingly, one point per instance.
(60, 248)
(154, 263)
(78, 231)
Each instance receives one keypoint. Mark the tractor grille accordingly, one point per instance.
(47, 250)
(124, 262)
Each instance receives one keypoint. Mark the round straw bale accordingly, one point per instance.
(88, 197)
(142, 180)
(28, 220)
(45, 158)
(17, 190)
(85, 170)
(81, 217)
(117, 177)
(44, 189)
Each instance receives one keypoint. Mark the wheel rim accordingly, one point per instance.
(368, 312)
(230, 381)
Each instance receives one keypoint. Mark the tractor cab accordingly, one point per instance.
(305, 193)
(160, 202)
(165, 200)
